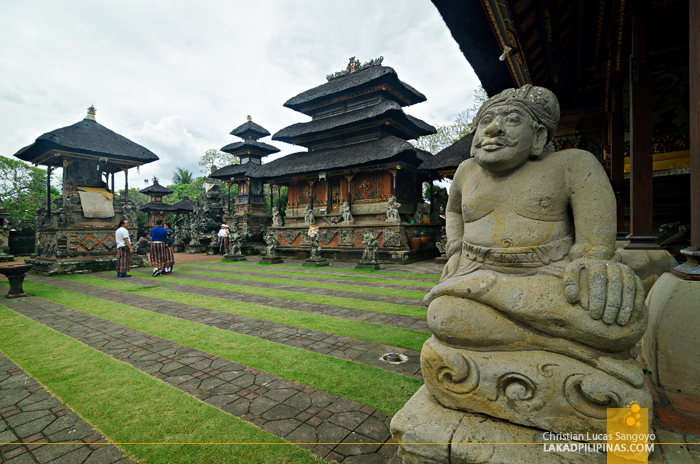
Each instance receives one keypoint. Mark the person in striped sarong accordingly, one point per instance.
(158, 237)
(223, 239)
(124, 249)
(169, 251)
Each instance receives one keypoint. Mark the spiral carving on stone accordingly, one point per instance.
(589, 397)
(459, 374)
(516, 387)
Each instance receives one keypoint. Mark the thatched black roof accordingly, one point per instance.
(156, 189)
(158, 207)
(451, 156)
(234, 170)
(387, 149)
(184, 206)
(250, 144)
(384, 109)
(249, 128)
(369, 76)
(90, 138)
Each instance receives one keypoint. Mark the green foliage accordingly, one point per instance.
(23, 191)
(440, 194)
(283, 199)
(450, 133)
(216, 158)
(182, 176)
(193, 190)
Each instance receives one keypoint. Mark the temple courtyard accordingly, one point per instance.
(229, 362)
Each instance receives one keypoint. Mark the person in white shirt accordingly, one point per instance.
(223, 239)
(124, 250)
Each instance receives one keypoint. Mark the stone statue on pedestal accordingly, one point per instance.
(234, 252)
(392, 210)
(315, 258)
(370, 257)
(535, 319)
(270, 253)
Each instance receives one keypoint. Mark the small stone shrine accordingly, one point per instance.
(76, 232)
(156, 209)
(5, 255)
(522, 343)
(358, 158)
(205, 221)
(250, 205)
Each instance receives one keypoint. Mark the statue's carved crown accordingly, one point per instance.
(539, 102)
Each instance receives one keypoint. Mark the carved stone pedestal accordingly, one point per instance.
(15, 274)
(5, 258)
(428, 433)
(316, 262)
(238, 257)
(274, 260)
(193, 249)
(377, 265)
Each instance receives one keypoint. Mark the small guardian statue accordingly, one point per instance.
(347, 215)
(370, 254)
(309, 215)
(270, 252)
(392, 210)
(315, 258)
(234, 253)
(276, 218)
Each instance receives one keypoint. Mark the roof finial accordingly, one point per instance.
(249, 118)
(352, 65)
(91, 113)
(155, 180)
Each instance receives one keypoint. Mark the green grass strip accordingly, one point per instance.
(351, 303)
(309, 283)
(289, 266)
(318, 275)
(403, 338)
(348, 379)
(129, 406)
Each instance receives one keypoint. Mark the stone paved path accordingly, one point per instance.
(309, 277)
(361, 351)
(294, 288)
(334, 428)
(394, 320)
(31, 418)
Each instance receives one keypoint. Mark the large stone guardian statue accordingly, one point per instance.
(535, 319)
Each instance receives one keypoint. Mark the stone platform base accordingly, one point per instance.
(81, 265)
(274, 260)
(192, 249)
(369, 265)
(235, 258)
(6, 258)
(428, 433)
(316, 262)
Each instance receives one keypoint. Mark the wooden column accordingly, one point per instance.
(641, 149)
(48, 191)
(311, 199)
(126, 186)
(112, 182)
(616, 142)
(693, 254)
(65, 181)
(279, 197)
(349, 179)
(229, 198)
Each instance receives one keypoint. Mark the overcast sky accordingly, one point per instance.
(178, 76)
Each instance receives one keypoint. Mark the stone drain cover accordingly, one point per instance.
(394, 358)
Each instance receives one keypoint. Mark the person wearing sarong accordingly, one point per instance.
(223, 239)
(124, 250)
(141, 246)
(169, 252)
(158, 237)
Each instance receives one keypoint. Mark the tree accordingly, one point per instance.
(448, 134)
(23, 191)
(192, 189)
(216, 158)
(182, 176)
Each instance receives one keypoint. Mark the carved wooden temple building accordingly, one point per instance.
(76, 233)
(624, 96)
(358, 158)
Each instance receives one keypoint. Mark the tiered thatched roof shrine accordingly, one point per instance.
(156, 209)
(357, 154)
(251, 207)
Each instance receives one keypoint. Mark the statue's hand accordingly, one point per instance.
(450, 266)
(609, 290)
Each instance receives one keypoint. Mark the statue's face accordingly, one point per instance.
(505, 138)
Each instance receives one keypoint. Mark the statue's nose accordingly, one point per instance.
(494, 128)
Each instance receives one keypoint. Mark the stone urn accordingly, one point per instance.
(414, 243)
(15, 274)
(423, 239)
